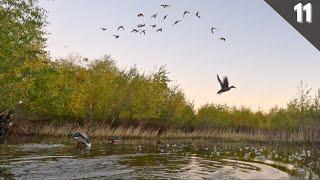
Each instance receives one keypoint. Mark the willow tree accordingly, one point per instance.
(22, 45)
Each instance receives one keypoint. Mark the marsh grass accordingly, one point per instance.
(104, 131)
(94, 130)
(258, 135)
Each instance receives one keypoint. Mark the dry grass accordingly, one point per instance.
(105, 130)
(93, 130)
(258, 135)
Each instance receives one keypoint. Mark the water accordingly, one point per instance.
(55, 158)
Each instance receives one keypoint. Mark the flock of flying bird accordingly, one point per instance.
(141, 28)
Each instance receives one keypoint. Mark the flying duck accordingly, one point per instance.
(143, 32)
(120, 27)
(176, 22)
(103, 29)
(197, 14)
(185, 13)
(134, 30)
(224, 85)
(212, 29)
(154, 16)
(141, 25)
(165, 17)
(116, 36)
(165, 5)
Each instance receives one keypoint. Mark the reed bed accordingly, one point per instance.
(93, 131)
(258, 135)
(104, 131)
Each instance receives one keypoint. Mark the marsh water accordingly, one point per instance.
(56, 158)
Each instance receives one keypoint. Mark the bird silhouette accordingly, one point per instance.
(165, 17)
(140, 15)
(224, 85)
(141, 25)
(134, 30)
(154, 16)
(159, 30)
(197, 14)
(116, 36)
(143, 32)
(120, 27)
(223, 39)
(185, 13)
(153, 26)
(212, 29)
(176, 22)
(103, 29)
(165, 5)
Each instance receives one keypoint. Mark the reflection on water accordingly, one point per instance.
(43, 158)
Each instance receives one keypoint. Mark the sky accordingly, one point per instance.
(263, 56)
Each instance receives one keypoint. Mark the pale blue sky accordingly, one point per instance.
(264, 57)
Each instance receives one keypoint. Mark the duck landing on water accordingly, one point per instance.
(224, 85)
(81, 138)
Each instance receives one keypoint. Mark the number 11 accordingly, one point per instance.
(299, 9)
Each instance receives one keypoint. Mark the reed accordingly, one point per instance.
(104, 131)
(94, 131)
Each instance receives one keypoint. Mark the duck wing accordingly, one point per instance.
(84, 136)
(219, 80)
(225, 82)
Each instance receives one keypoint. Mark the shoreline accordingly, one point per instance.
(104, 131)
